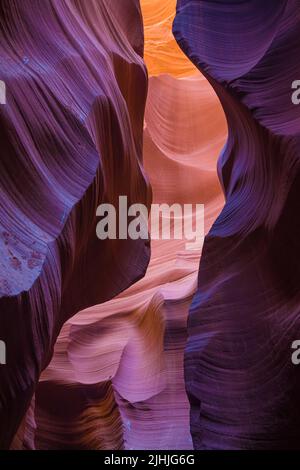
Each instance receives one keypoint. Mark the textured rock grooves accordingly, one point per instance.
(243, 389)
(116, 376)
(95, 362)
(71, 137)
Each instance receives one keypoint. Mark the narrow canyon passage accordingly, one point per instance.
(110, 340)
(116, 379)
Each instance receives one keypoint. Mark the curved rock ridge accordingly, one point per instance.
(242, 385)
(71, 138)
(116, 379)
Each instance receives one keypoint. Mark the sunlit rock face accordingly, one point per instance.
(242, 385)
(71, 137)
(162, 54)
(116, 379)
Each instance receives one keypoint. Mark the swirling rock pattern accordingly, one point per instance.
(71, 137)
(116, 376)
(242, 386)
